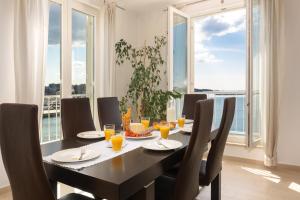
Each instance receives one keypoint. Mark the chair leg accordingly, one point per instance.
(216, 188)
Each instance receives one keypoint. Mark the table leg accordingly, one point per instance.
(53, 185)
(147, 193)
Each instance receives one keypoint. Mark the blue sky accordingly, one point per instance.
(220, 51)
(54, 46)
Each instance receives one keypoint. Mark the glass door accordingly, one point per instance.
(82, 55)
(254, 82)
(178, 53)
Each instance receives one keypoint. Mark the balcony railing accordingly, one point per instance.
(239, 122)
(51, 123)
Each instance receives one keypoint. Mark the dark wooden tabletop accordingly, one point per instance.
(119, 177)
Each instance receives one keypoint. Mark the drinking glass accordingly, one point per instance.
(109, 130)
(117, 142)
(145, 121)
(181, 121)
(164, 130)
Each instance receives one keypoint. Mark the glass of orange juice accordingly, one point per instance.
(145, 121)
(117, 142)
(109, 130)
(164, 130)
(181, 121)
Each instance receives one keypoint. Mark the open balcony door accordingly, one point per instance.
(255, 71)
(179, 70)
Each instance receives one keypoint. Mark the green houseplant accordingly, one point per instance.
(143, 93)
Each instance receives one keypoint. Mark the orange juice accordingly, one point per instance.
(108, 133)
(145, 123)
(164, 131)
(117, 142)
(181, 122)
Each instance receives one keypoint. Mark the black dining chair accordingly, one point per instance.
(109, 112)
(21, 154)
(210, 170)
(76, 117)
(189, 104)
(185, 186)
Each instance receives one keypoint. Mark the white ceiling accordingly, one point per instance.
(144, 5)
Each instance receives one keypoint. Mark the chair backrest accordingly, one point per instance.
(76, 116)
(215, 155)
(21, 153)
(109, 112)
(189, 104)
(187, 182)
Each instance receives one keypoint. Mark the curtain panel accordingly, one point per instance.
(27, 46)
(270, 59)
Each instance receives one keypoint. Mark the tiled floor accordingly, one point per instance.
(247, 181)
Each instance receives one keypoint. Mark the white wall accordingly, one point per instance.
(6, 66)
(126, 28)
(289, 82)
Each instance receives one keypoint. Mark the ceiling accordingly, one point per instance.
(144, 5)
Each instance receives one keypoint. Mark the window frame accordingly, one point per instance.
(241, 140)
(66, 47)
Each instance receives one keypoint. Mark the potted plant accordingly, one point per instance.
(144, 94)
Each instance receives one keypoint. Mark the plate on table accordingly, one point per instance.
(188, 121)
(187, 129)
(91, 135)
(141, 137)
(73, 155)
(162, 145)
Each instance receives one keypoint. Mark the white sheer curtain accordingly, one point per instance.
(29, 50)
(107, 44)
(270, 58)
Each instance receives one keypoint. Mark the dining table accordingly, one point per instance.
(130, 175)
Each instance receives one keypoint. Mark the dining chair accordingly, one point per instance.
(109, 112)
(189, 104)
(210, 170)
(21, 154)
(185, 186)
(76, 117)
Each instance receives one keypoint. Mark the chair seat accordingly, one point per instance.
(202, 179)
(164, 187)
(74, 196)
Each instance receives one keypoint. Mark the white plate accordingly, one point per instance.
(162, 145)
(91, 135)
(187, 129)
(188, 121)
(141, 138)
(73, 155)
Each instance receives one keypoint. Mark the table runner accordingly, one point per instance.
(106, 152)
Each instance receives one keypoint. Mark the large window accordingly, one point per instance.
(51, 110)
(82, 54)
(220, 62)
(70, 65)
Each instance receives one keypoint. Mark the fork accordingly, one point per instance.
(160, 143)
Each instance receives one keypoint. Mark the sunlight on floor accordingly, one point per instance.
(294, 186)
(264, 173)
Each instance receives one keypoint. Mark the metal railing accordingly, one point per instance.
(239, 122)
(51, 123)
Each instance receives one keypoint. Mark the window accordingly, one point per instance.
(51, 109)
(220, 62)
(82, 54)
(70, 66)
